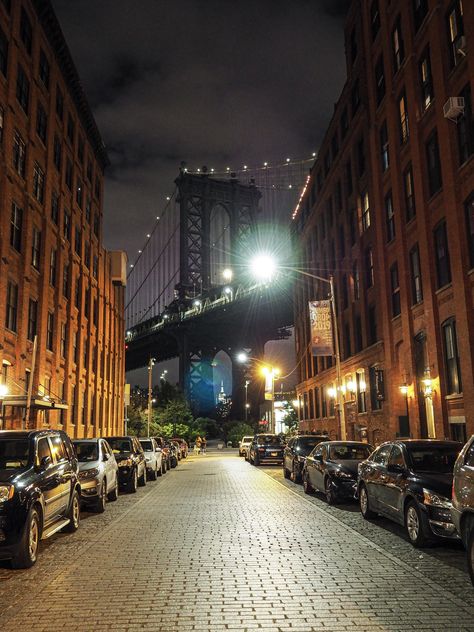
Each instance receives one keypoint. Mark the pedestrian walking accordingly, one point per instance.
(203, 445)
(197, 445)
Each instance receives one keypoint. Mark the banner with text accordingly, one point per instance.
(320, 319)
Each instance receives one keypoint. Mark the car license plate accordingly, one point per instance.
(274, 454)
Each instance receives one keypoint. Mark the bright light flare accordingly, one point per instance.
(3, 390)
(227, 274)
(263, 267)
(242, 357)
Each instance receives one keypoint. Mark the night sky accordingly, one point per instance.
(210, 82)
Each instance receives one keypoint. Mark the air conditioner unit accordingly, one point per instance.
(118, 267)
(460, 45)
(453, 108)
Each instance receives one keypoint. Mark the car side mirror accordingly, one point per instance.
(45, 462)
(394, 468)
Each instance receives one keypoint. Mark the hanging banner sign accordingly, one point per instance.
(320, 319)
(379, 384)
(269, 386)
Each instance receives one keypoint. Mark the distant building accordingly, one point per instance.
(222, 398)
(57, 282)
(389, 209)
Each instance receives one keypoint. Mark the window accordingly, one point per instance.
(384, 148)
(73, 405)
(376, 387)
(409, 192)
(365, 211)
(53, 267)
(443, 265)
(426, 79)
(41, 123)
(32, 319)
(26, 31)
(87, 254)
(327, 163)
(398, 49)
(456, 32)
(415, 270)
(433, 162)
(95, 267)
(358, 343)
(88, 209)
(55, 207)
(403, 119)
(19, 155)
(50, 331)
(77, 293)
(344, 123)
(66, 280)
(374, 18)
(78, 241)
(44, 69)
(12, 306)
(465, 127)
(95, 312)
(79, 192)
(420, 9)
(349, 186)
(63, 340)
(372, 325)
(389, 217)
(36, 249)
(68, 174)
(355, 281)
(59, 103)
(57, 153)
(469, 210)
(361, 157)
(96, 224)
(2, 123)
(22, 89)
(395, 288)
(89, 170)
(67, 226)
(38, 183)
(379, 80)
(361, 387)
(369, 267)
(16, 222)
(451, 358)
(70, 129)
(3, 53)
(355, 97)
(75, 348)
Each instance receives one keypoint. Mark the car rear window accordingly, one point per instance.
(14, 454)
(436, 459)
(119, 445)
(349, 452)
(147, 446)
(247, 439)
(86, 451)
(269, 439)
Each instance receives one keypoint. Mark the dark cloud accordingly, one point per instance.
(206, 81)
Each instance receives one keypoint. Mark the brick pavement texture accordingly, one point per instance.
(220, 545)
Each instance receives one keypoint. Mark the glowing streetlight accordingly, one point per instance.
(227, 274)
(3, 390)
(197, 303)
(263, 267)
(242, 357)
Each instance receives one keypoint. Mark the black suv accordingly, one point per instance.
(295, 453)
(131, 461)
(266, 447)
(39, 491)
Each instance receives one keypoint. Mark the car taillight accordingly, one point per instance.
(261, 449)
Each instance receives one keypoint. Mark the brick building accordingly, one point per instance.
(57, 282)
(389, 209)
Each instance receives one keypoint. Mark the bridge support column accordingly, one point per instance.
(195, 376)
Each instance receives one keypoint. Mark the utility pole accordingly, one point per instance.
(340, 399)
(151, 362)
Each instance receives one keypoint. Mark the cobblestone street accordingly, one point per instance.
(220, 545)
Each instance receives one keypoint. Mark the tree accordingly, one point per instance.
(291, 417)
(238, 431)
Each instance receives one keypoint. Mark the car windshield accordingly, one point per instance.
(268, 440)
(247, 439)
(86, 451)
(306, 444)
(436, 459)
(349, 452)
(147, 445)
(119, 445)
(14, 454)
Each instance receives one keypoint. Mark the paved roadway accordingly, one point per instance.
(220, 545)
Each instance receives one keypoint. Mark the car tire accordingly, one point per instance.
(113, 495)
(142, 479)
(163, 467)
(102, 499)
(256, 460)
(416, 525)
(74, 513)
(153, 475)
(470, 554)
(159, 471)
(331, 497)
(133, 482)
(286, 471)
(296, 478)
(364, 503)
(307, 487)
(27, 552)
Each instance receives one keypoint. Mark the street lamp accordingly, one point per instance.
(151, 362)
(247, 405)
(271, 374)
(264, 267)
(227, 275)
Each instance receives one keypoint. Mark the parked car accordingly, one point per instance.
(295, 452)
(331, 468)
(153, 458)
(183, 446)
(39, 491)
(178, 448)
(266, 448)
(244, 444)
(173, 452)
(98, 472)
(130, 460)
(462, 510)
(166, 458)
(410, 482)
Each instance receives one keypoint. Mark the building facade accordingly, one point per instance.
(389, 210)
(61, 293)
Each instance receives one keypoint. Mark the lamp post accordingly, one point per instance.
(247, 382)
(265, 268)
(151, 362)
(270, 373)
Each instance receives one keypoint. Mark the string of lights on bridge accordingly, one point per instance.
(229, 172)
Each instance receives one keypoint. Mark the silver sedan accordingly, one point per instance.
(98, 472)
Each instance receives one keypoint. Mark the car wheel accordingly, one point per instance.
(286, 471)
(142, 479)
(307, 487)
(159, 471)
(329, 491)
(133, 483)
(153, 475)
(256, 460)
(74, 513)
(100, 504)
(470, 554)
(113, 495)
(364, 503)
(163, 467)
(416, 525)
(28, 548)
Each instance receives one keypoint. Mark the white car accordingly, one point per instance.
(153, 458)
(244, 444)
(98, 472)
